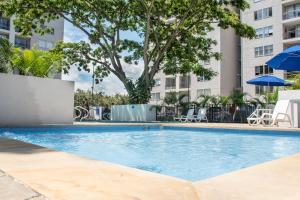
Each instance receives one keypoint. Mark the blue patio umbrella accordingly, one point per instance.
(269, 80)
(288, 60)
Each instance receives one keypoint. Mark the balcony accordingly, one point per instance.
(4, 23)
(292, 34)
(291, 14)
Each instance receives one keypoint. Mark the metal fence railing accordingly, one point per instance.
(217, 114)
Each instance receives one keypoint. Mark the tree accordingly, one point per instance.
(6, 53)
(36, 62)
(84, 99)
(171, 98)
(295, 79)
(173, 34)
(237, 97)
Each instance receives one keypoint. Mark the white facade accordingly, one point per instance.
(228, 72)
(45, 42)
(277, 24)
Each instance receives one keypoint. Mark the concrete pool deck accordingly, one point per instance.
(59, 175)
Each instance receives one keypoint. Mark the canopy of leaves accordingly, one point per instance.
(172, 34)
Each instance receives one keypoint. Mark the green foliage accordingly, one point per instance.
(86, 99)
(224, 100)
(272, 97)
(237, 97)
(258, 101)
(6, 53)
(204, 100)
(173, 34)
(295, 78)
(171, 98)
(36, 62)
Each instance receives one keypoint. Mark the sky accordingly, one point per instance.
(83, 80)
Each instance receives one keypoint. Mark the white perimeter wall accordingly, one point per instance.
(294, 109)
(29, 101)
(136, 113)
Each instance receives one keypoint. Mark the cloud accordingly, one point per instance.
(73, 34)
(111, 85)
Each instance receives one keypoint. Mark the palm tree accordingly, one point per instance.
(295, 78)
(224, 100)
(171, 98)
(36, 62)
(237, 97)
(6, 53)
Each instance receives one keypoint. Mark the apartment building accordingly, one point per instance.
(277, 24)
(45, 42)
(227, 79)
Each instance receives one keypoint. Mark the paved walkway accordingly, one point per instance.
(62, 176)
(11, 189)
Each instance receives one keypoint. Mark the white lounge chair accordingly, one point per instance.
(255, 117)
(201, 116)
(279, 114)
(189, 116)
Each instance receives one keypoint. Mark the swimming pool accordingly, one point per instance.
(187, 153)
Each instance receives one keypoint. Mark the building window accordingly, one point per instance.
(155, 96)
(264, 32)
(263, 70)
(157, 82)
(268, 50)
(171, 83)
(259, 51)
(22, 42)
(263, 13)
(206, 92)
(4, 23)
(264, 51)
(45, 45)
(4, 36)
(259, 89)
(184, 82)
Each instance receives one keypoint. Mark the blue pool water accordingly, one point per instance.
(192, 154)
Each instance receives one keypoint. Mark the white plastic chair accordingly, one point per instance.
(190, 115)
(201, 116)
(279, 114)
(255, 117)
